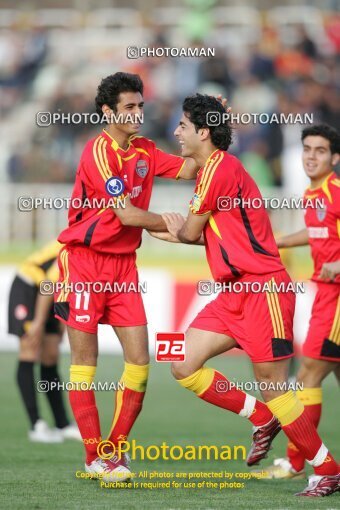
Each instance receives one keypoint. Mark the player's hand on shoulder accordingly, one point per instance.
(224, 102)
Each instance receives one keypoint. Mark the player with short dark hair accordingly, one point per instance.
(114, 183)
(321, 349)
(110, 88)
(200, 107)
(240, 246)
(327, 132)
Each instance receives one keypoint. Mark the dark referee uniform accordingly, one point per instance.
(41, 265)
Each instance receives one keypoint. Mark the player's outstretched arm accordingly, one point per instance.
(189, 170)
(166, 236)
(298, 239)
(132, 216)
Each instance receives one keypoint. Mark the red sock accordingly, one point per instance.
(296, 458)
(83, 404)
(302, 432)
(127, 408)
(220, 394)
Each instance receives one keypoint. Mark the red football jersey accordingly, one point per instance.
(323, 223)
(240, 240)
(106, 174)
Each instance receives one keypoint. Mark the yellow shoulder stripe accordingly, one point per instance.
(206, 181)
(129, 157)
(336, 182)
(326, 191)
(138, 149)
(100, 157)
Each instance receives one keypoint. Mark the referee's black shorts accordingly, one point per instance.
(21, 308)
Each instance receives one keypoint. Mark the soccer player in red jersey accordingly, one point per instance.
(113, 185)
(240, 247)
(321, 350)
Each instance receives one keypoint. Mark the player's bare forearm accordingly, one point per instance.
(42, 308)
(188, 231)
(166, 236)
(144, 219)
(186, 237)
(36, 329)
(132, 216)
(189, 169)
(298, 239)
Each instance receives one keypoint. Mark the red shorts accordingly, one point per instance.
(260, 322)
(323, 337)
(82, 268)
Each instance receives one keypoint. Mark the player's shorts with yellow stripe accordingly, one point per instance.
(323, 338)
(260, 322)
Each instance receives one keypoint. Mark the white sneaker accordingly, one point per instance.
(281, 470)
(41, 433)
(71, 432)
(108, 471)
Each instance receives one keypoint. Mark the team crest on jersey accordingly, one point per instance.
(196, 202)
(20, 312)
(115, 186)
(142, 168)
(321, 213)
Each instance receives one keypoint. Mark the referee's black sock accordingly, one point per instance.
(55, 397)
(25, 379)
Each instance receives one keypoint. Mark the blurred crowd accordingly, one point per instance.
(270, 76)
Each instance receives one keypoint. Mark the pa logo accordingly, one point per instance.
(115, 186)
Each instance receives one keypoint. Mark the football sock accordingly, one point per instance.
(25, 379)
(301, 431)
(83, 404)
(214, 387)
(128, 401)
(312, 400)
(55, 396)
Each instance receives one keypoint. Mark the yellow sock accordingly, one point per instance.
(135, 377)
(199, 381)
(82, 374)
(128, 403)
(287, 407)
(310, 396)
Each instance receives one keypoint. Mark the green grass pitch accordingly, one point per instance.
(35, 476)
